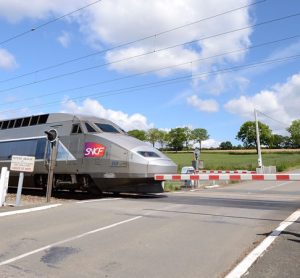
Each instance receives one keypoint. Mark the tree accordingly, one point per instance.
(294, 130)
(188, 135)
(153, 135)
(247, 134)
(277, 141)
(226, 145)
(199, 135)
(162, 138)
(139, 134)
(176, 138)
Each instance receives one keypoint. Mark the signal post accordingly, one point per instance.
(52, 137)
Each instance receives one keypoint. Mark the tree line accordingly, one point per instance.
(181, 138)
(176, 139)
(268, 139)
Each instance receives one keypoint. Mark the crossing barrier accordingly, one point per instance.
(228, 177)
(226, 172)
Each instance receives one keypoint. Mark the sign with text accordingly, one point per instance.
(92, 149)
(22, 163)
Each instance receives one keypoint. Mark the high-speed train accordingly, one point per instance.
(94, 154)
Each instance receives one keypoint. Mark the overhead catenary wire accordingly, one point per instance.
(147, 53)
(271, 118)
(165, 82)
(48, 22)
(156, 70)
(126, 43)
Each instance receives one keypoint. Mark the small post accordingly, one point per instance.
(20, 186)
(2, 185)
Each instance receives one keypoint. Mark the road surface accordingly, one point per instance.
(205, 233)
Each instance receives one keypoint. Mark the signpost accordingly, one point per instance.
(21, 164)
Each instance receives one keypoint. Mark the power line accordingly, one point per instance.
(126, 43)
(275, 120)
(167, 82)
(160, 69)
(147, 53)
(47, 23)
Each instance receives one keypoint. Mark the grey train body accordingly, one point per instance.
(94, 154)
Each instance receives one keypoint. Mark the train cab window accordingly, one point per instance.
(76, 129)
(148, 154)
(26, 121)
(107, 128)
(89, 128)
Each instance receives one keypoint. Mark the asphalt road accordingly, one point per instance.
(189, 234)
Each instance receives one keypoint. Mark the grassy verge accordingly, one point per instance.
(172, 186)
(239, 160)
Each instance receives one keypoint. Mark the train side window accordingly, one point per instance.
(18, 122)
(89, 128)
(43, 119)
(26, 121)
(5, 125)
(11, 123)
(34, 120)
(76, 129)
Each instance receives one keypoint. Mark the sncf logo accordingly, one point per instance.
(92, 149)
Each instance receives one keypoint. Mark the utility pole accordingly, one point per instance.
(260, 163)
(53, 140)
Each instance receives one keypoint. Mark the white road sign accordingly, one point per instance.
(22, 163)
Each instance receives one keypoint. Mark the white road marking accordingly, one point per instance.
(98, 200)
(245, 264)
(274, 186)
(67, 240)
(21, 211)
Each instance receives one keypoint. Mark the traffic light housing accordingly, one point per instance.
(52, 135)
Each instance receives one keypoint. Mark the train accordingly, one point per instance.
(93, 154)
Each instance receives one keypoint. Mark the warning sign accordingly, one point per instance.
(22, 163)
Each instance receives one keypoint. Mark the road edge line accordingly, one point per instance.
(248, 261)
(7, 213)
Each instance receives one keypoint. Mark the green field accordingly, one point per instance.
(238, 161)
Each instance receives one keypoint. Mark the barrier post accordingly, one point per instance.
(20, 186)
(3, 185)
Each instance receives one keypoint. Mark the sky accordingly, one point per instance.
(153, 63)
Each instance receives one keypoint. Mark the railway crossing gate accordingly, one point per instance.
(228, 177)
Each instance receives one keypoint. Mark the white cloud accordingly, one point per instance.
(209, 143)
(208, 105)
(114, 22)
(17, 10)
(93, 107)
(7, 60)
(64, 39)
(281, 103)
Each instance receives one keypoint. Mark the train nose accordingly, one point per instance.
(160, 166)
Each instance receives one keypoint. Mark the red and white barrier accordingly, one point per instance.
(226, 172)
(228, 177)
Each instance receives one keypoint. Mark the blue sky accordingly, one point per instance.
(219, 101)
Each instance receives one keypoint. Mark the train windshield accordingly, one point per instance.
(107, 128)
(148, 154)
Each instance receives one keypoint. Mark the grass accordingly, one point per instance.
(238, 160)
